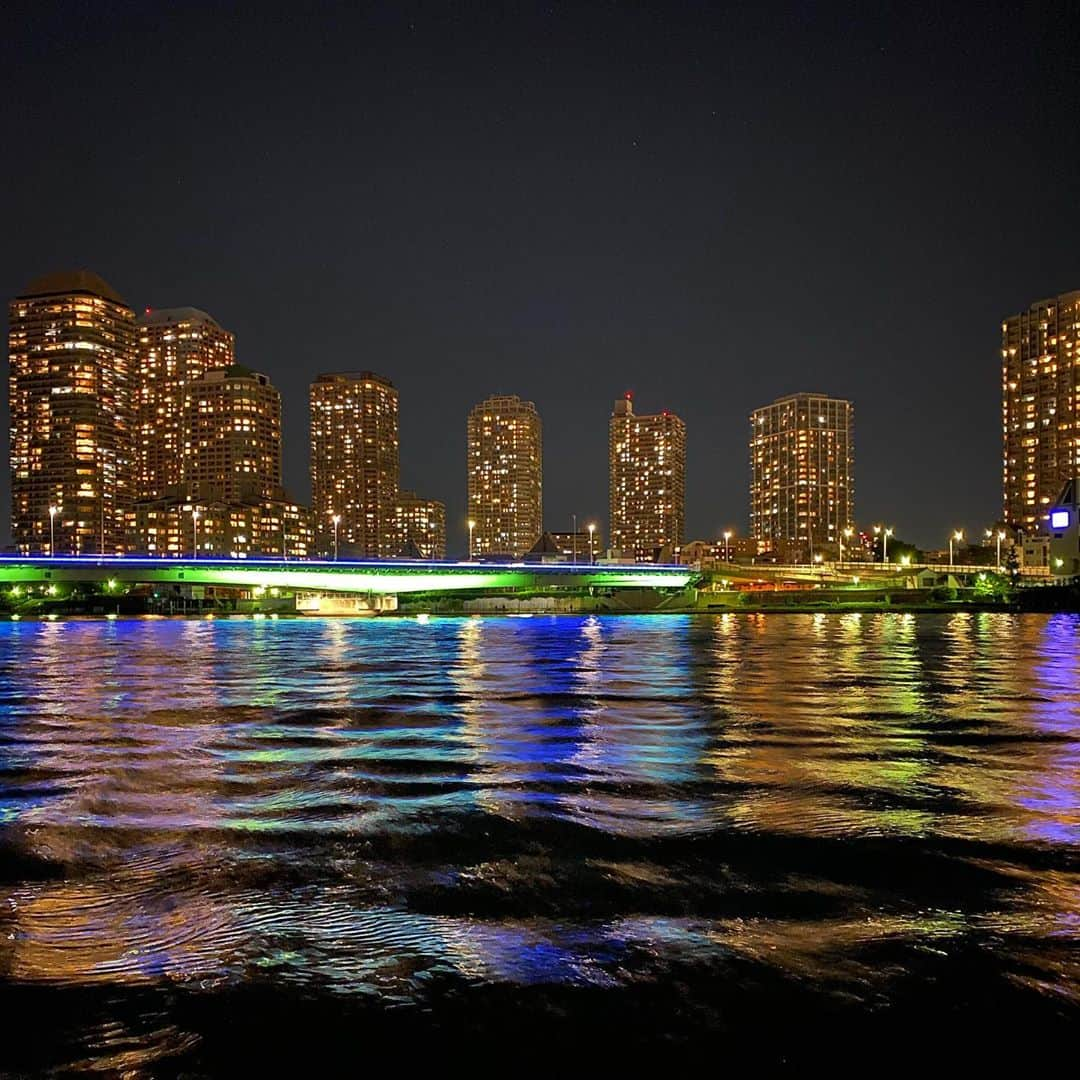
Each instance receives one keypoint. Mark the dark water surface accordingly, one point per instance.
(232, 846)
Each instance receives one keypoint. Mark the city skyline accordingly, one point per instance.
(596, 206)
(170, 352)
(160, 389)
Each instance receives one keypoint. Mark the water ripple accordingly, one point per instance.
(818, 812)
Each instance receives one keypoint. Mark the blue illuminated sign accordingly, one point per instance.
(1059, 519)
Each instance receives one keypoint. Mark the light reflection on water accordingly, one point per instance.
(372, 809)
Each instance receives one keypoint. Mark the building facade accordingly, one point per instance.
(355, 463)
(505, 476)
(1063, 547)
(581, 546)
(176, 346)
(71, 348)
(421, 526)
(174, 526)
(802, 488)
(646, 481)
(1040, 406)
(232, 437)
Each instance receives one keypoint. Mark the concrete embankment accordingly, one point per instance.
(614, 602)
(692, 601)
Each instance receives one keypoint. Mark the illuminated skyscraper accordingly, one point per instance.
(1040, 405)
(801, 457)
(421, 525)
(232, 436)
(505, 476)
(175, 347)
(354, 463)
(646, 481)
(71, 347)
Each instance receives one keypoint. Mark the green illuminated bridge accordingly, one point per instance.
(375, 578)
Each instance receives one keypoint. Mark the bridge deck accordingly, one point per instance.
(370, 576)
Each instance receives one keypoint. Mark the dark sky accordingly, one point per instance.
(708, 205)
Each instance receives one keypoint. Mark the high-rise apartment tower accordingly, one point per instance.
(1040, 408)
(646, 481)
(232, 436)
(71, 347)
(355, 463)
(801, 462)
(176, 346)
(505, 476)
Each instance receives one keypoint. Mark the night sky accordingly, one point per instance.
(709, 207)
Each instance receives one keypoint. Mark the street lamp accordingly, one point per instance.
(592, 529)
(53, 511)
(848, 532)
(880, 530)
(999, 535)
(957, 535)
(472, 525)
(336, 519)
(195, 528)
(727, 545)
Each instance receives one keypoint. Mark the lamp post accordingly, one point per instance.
(848, 532)
(573, 539)
(592, 529)
(195, 530)
(999, 536)
(53, 511)
(957, 535)
(472, 525)
(884, 533)
(336, 519)
(727, 545)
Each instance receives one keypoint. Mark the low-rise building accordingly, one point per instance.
(578, 547)
(1033, 550)
(421, 526)
(180, 527)
(1064, 521)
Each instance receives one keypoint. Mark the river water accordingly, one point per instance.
(235, 846)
